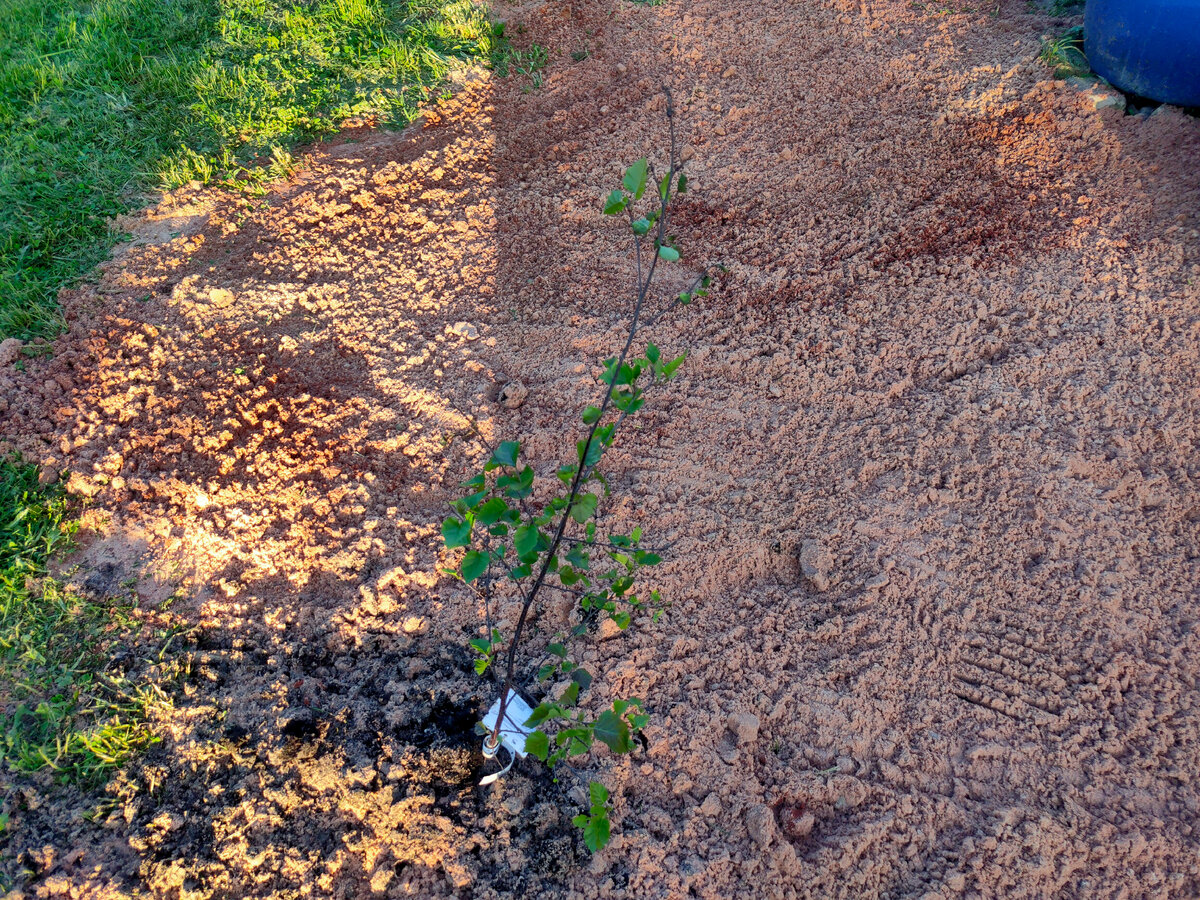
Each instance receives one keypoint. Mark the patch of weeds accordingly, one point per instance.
(66, 702)
(102, 102)
(507, 60)
(1065, 54)
(1064, 8)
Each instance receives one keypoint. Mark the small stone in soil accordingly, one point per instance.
(608, 630)
(10, 350)
(761, 824)
(796, 824)
(513, 395)
(466, 329)
(816, 562)
(745, 725)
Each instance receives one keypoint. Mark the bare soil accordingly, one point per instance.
(929, 474)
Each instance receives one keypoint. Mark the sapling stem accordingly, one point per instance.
(583, 471)
(533, 533)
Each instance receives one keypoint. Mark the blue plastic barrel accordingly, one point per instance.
(1146, 47)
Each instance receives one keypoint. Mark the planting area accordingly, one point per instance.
(928, 477)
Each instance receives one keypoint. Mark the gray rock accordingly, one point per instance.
(1103, 97)
(760, 822)
(745, 725)
(816, 564)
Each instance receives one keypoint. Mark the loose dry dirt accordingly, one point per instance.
(929, 475)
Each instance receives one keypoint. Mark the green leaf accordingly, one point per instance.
(538, 744)
(557, 650)
(578, 557)
(635, 178)
(539, 715)
(579, 741)
(652, 353)
(584, 507)
(596, 833)
(610, 369)
(668, 254)
(612, 731)
(682, 189)
(591, 416)
(477, 482)
(669, 368)
(506, 454)
(583, 678)
(595, 450)
(489, 513)
(614, 204)
(664, 186)
(474, 564)
(621, 618)
(483, 645)
(571, 695)
(640, 226)
(456, 532)
(481, 664)
(470, 502)
(597, 796)
(517, 486)
(525, 541)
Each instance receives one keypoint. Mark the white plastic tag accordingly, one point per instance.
(513, 731)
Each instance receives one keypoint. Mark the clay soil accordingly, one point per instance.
(929, 477)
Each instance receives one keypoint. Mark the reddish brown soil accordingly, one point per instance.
(953, 361)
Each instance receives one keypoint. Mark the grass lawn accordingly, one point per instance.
(104, 101)
(70, 701)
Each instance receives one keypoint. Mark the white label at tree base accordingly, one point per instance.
(513, 731)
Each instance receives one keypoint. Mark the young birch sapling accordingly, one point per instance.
(517, 548)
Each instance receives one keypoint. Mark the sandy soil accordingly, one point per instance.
(930, 473)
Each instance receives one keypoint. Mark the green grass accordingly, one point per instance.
(507, 59)
(65, 704)
(104, 101)
(1065, 54)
